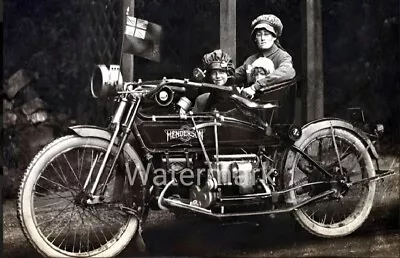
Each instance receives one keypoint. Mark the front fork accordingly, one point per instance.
(117, 127)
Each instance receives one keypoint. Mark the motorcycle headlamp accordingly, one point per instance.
(106, 82)
(165, 96)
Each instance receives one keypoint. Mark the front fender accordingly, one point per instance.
(323, 123)
(91, 131)
(99, 132)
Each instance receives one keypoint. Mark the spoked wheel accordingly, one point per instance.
(346, 157)
(53, 208)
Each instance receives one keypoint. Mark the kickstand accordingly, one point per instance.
(139, 242)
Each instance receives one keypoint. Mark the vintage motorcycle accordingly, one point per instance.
(88, 193)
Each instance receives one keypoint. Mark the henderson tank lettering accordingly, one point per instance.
(185, 134)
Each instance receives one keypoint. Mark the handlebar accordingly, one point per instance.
(182, 84)
(179, 85)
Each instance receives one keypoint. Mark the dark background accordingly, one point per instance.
(54, 39)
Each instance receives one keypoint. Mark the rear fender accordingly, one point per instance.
(319, 124)
(309, 129)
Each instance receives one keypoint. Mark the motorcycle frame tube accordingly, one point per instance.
(174, 117)
(202, 145)
(309, 159)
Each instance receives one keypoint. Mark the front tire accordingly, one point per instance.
(332, 216)
(49, 211)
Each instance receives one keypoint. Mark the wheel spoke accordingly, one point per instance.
(332, 219)
(337, 151)
(63, 178)
(50, 204)
(67, 224)
(51, 181)
(69, 228)
(109, 218)
(45, 222)
(64, 220)
(312, 215)
(73, 171)
(98, 218)
(63, 197)
(93, 164)
(342, 158)
(97, 237)
(80, 163)
(323, 222)
(73, 243)
(49, 198)
(61, 217)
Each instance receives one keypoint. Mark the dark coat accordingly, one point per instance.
(283, 68)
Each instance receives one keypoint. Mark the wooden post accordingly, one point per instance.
(127, 62)
(313, 60)
(227, 27)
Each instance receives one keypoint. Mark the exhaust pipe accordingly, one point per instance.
(182, 205)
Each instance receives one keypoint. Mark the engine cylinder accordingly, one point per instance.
(238, 173)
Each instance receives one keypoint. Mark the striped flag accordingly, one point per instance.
(142, 38)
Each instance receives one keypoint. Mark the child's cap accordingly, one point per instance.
(264, 63)
(218, 60)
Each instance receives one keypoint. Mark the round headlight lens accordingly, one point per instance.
(163, 95)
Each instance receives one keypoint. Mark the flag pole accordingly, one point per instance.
(127, 60)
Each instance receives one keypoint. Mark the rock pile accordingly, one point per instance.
(28, 125)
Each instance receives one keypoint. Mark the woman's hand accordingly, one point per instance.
(248, 92)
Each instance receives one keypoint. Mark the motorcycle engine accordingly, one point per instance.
(234, 174)
(237, 173)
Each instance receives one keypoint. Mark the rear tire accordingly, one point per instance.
(332, 217)
(60, 190)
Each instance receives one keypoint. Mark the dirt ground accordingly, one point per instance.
(279, 237)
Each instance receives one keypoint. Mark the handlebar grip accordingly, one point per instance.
(153, 92)
(214, 86)
(178, 89)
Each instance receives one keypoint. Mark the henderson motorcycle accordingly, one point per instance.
(88, 193)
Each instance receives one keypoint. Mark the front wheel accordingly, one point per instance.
(52, 203)
(342, 154)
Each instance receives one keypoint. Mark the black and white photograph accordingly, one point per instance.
(200, 128)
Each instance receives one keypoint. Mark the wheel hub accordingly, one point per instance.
(342, 182)
(81, 199)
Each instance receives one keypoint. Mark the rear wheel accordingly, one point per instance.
(337, 214)
(52, 205)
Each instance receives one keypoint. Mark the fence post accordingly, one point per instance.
(313, 60)
(227, 38)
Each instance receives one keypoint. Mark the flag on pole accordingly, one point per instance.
(142, 38)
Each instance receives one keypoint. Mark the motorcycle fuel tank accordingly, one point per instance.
(169, 131)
